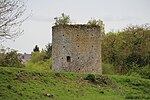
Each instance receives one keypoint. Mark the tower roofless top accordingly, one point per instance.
(77, 25)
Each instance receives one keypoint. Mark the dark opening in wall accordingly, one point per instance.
(78, 57)
(68, 59)
(78, 46)
(63, 35)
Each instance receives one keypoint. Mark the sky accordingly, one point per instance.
(116, 15)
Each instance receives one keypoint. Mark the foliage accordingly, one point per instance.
(36, 48)
(133, 87)
(11, 13)
(99, 23)
(91, 77)
(10, 59)
(39, 84)
(143, 72)
(108, 69)
(38, 61)
(128, 47)
(48, 51)
(37, 56)
(63, 20)
(40, 65)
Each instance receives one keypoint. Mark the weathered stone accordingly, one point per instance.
(76, 48)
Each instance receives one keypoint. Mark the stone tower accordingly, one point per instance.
(76, 48)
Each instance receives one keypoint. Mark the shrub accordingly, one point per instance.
(37, 56)
(38, 61)
(91, 77)
(63, 20)
(10, 59)
(145, 72)
(108, 69)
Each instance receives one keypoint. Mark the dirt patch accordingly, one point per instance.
(24, 76)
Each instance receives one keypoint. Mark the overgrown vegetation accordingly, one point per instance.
(10, 59)
(94, 22)
(62, 20)
(91, 77)
(41, 59)
(128, 49)
(20, 83)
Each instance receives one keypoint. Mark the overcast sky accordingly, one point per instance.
(116, 14)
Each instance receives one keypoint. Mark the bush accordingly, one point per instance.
(108, 69)
(10, 59)
(145, 72)
(63, 20)
(91, 77)
(40, 65)
(127, 47)
(39, 61)
(37, 56)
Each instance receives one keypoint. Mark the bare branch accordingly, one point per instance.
(11, 18)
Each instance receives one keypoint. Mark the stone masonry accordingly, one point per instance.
(76, 48)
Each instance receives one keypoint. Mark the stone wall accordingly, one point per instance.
(76, 48)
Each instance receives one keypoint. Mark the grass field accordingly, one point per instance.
(25, 84)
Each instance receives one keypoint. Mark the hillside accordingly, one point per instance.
(24, 84)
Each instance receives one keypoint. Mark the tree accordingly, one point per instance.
(99, 22)
(11, 18)
(63, 20)
(137, 39)
(36, 49)
(48, 51)
(37, 56)
(127, 48)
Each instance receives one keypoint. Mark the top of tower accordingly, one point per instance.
(77, 26)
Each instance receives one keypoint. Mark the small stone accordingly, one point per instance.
(48, 95)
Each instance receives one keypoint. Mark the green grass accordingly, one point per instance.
(25, 84)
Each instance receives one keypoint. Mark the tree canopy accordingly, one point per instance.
(36, 48)
(127, 48)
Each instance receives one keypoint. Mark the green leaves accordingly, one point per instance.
(99, 23)
(63, 20)
(127, 47)
(10, 59)
(36, 49)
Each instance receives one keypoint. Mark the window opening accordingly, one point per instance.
(68, 59)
